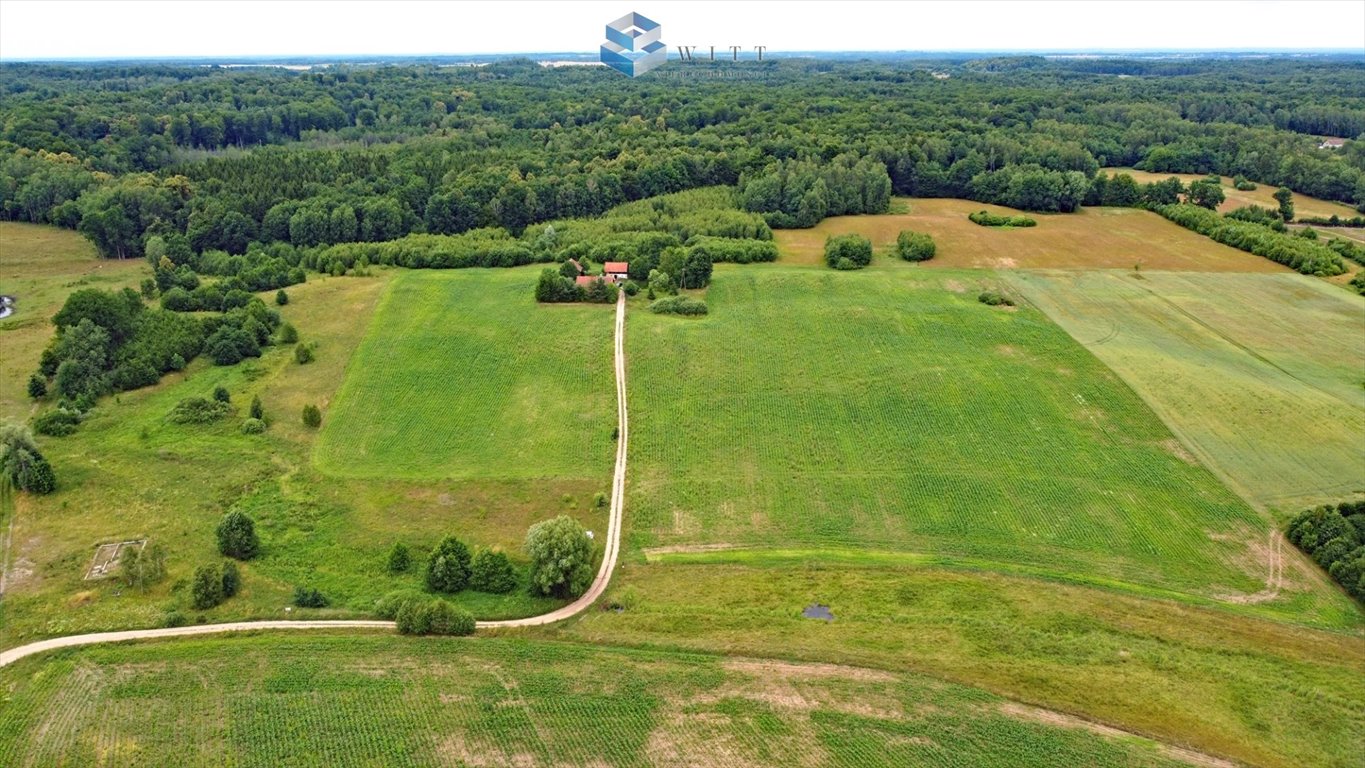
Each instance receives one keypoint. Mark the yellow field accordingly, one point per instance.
(41, 266)
(1112, 238)
(1262, 195)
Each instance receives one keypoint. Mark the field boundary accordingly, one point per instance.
(599, 585)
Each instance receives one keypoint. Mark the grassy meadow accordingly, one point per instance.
(890, 410)
(1092, 238)
(1262, 195)
(1260, 375)
(319, 700)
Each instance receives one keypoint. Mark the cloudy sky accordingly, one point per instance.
(115, 29)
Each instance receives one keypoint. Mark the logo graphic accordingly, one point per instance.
(632, 46)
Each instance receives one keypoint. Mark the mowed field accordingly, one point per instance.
(1260, 375)
(1092, 238)
(889, 409)
(384, 700)
(462, 375)
(41, 266)
(1262, 195)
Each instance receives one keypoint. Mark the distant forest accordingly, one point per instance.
(215, 158)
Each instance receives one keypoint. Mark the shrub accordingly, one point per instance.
(222, 395)
(281, 298)
(37, 386)
(1242, 184)
(988, 219)
(442, 618)
(57, 423)
(631, 288)
(174, 619)
(490, 571)
(851, 251)
(198, 410)
(253, 427)
(303, 354)
(232, 579)
(144, 566)
(177, 362)
(561, 557)
(288, 334)
(678, 305)
(448, 567)
(388, 606)
(412, 618)
(305, 597)
(399, 558)
(994, 299)
(21, 462)
(207, 589)
(312, 417)
(256, 412)
(914, 246)
(237, 536)
(229, 345)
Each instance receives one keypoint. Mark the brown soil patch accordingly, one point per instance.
(1062, 720)
(1173, 447)
(682, 549)
(764, 669)
(454, 750)
(955, 286)
(1263, 555)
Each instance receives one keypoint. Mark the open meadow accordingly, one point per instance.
(1091, 238)
(330, 700)
(1260, 375)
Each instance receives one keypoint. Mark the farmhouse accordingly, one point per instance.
(615, 271)
(1332, 144)
(586, 279)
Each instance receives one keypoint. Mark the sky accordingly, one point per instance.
(43, 29)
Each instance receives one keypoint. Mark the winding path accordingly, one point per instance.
(599, 584)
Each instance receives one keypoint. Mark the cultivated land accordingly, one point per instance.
(1262, 195)
(1116, 238)
(1227, 360)
(890, 410)
(493, 702)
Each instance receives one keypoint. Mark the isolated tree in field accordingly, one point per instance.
(312, 417)
(144, 566)
(206, 590)
(288, 333)
(1206, 194)
(21, 463)
(237, 536)
(281, 298)
(491, 571)
(448, 567)
(303, 354)
(222, 395)
(914, 246)
(848, 251)
(399, 558)
(1285, 198)
(257, 411)
(232, 579)
(561, 557)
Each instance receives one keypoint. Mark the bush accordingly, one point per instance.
(207, 589)
(433, 617)
(232, 579)
(305, 597)
(1242, 184)
(222, 395)
(678, 305)
(174, 619)
(561, 557)
(303, 354)
(288, 334)
(399, 558)
(256, 412)
(988, 219)
(994, 299)
(237, 536)
(850, 251)
(37, 386)
(490, 571)
(281, 298)
(58, 423)
(448, 566)
(413, 618)
(253, 427)
(914, 246)
(388, 606)
(198, 410)
(312, 417)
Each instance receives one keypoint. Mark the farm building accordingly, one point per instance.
(615, 271)
(586, 279)
(1332, 144)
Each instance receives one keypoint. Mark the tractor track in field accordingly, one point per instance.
(599, 584)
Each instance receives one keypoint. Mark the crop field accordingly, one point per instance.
(1262, 195)
(40, 266)
(463, 376)
(889, 409)
(392, 701)
(1260, 375)
(1212, 678)
(1116, 238)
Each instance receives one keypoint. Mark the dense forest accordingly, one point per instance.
(207, 159)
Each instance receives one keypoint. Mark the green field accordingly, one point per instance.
(891, 410)
(398, 702)
(463, 376)
(1260, 375)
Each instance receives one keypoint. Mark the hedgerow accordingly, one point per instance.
(1304, 255)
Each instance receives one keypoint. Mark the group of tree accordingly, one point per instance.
(451, 568)
(211, 585)
(915, 246)
(22, 465)
(800, 193)
(1299, 253)
(848, 251)
(1335, 538)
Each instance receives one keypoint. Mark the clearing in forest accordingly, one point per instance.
(1262, 195)
(1116, 238)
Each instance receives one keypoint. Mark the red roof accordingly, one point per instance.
(586, 279)
(619, 267)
